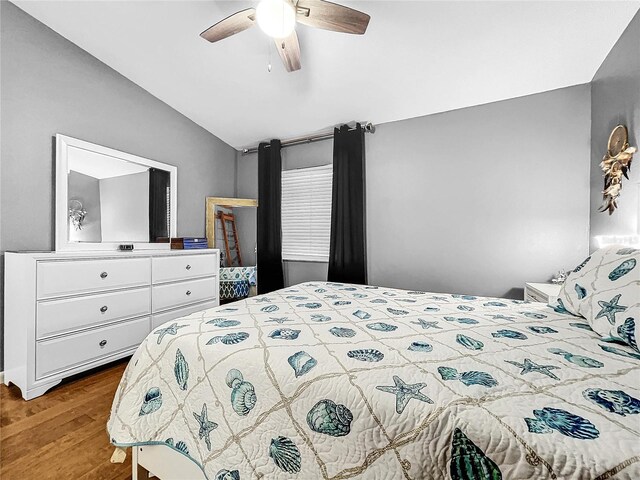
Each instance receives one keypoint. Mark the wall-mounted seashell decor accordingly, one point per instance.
(615, 164)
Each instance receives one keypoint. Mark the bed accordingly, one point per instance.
(328, 380)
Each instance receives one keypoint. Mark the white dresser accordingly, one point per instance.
(69, 312)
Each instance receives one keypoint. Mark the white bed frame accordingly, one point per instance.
(164, 463)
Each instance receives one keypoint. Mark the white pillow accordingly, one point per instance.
(605, 289)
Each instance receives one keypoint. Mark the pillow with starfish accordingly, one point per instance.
(605, 289)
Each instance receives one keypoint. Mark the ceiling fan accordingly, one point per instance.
(277, 18)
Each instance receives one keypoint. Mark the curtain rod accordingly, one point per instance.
(368, 127)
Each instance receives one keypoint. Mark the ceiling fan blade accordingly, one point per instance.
(231, 25)
(331, 16)
(289, 51)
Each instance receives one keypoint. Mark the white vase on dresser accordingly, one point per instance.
(68, 312)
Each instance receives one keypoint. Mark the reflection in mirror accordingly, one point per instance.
(236, 249)
(231, 228)
(115, 200)
(246, 221)
(227, 237)
(237, 252)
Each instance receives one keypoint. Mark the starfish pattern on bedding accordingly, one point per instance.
(206, 426)
(405, 392)
(279, 319)
(425, 324)
(529, 366)
(170, 330)
(263, 300)
(610, 308)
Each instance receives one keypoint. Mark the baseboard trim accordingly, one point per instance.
(1, 377)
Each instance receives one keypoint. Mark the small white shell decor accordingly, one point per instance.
(615, 164)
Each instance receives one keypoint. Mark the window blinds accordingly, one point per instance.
(306, 213)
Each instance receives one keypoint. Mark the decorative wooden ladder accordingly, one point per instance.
(231, 218)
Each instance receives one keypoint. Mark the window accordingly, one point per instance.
(306, 213)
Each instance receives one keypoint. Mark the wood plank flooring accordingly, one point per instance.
(62, 434)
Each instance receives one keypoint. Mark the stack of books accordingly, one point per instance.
(188, 243)
(191, 243)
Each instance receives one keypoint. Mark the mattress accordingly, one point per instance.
(336, 381)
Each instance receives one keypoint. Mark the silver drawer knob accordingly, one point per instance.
(188, 267)
(188, 292)
(104, 275)
(104, 309)
(102, 343)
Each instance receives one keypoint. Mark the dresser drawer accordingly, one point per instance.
(183, 293)
(82, 276)
(183, 267)
(534, 296)
(541, 292)
(60, 316)
(171, 315)
(67, 352)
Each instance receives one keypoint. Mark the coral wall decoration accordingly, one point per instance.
(615, 164)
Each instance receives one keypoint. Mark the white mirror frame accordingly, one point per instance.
(62, 194)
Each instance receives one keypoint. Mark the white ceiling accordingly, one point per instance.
(417, 58)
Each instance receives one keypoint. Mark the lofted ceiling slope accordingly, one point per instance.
(417, 58)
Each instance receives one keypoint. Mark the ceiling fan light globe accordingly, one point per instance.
(276, 18)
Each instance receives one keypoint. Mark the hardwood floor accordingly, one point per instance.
(62, 434)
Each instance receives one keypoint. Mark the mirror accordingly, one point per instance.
(105, 198)
(227, 219)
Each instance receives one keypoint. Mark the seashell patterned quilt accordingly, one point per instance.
(337, 381)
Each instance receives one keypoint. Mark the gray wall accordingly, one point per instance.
(483, 199)
(478, 200)
(49, 86)
(615, 98)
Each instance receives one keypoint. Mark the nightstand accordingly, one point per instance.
(541, 292)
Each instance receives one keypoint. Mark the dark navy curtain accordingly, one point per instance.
(159, 184)
(348, 251)
(270, 272)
